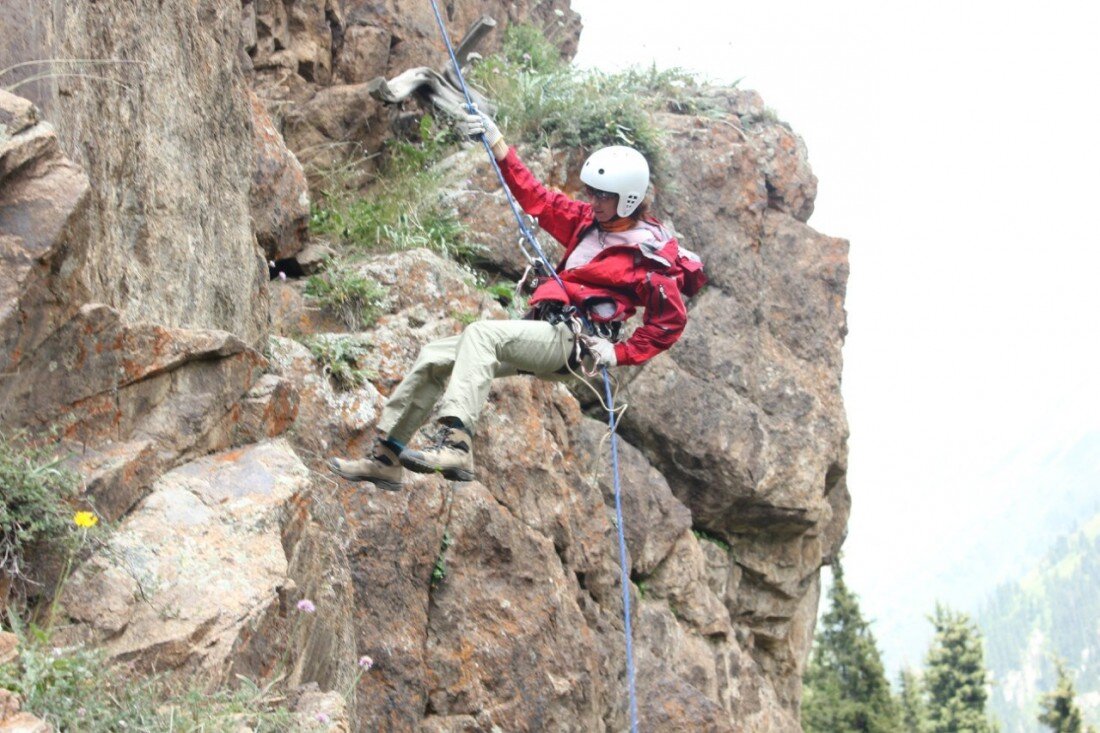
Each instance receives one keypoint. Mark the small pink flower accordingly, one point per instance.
(271, 263)
(366, 662)
(306, 606)
(282, 275)
(322, 717)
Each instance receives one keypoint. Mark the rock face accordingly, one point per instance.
(167, 198)
(312, 61)
(135, 221)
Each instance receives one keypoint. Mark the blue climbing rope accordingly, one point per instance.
(613, 424)
(612, 421)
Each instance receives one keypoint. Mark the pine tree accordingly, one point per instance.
(955, 676)
(1059, 707)
(912, 708)
(845, 687)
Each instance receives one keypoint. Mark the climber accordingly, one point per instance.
(617, 259)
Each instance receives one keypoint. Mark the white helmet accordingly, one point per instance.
(620, 170)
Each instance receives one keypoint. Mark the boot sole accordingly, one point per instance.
(413, 463)
(379, 482)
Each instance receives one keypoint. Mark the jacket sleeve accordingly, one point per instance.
(558, 214)
(662, 322)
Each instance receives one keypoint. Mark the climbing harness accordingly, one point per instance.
(543, 264)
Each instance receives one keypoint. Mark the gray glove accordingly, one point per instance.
(475, 124)
(602, 350)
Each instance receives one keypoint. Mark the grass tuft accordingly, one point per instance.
(339, 359)
(543, 100)
(404, 209)
(354, 298)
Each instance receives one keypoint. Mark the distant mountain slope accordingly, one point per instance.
(1053, 610)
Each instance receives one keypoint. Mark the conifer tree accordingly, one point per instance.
(1059, 707)
(845, 687)
(955, 677)
(912, 708)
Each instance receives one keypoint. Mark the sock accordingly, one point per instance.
(393, 445)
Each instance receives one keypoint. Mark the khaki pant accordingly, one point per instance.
(483, 351)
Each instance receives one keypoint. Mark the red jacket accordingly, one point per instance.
(626, 274)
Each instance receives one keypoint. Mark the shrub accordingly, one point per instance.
(339, 357)
(33, 505)
(356, 299)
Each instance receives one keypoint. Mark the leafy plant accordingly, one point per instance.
(356, 299)
(439, 570)
(34, 494)
(339, 358)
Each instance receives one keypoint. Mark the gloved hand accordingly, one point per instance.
(602, 350)
(475, 124)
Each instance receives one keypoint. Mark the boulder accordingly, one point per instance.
(279, 197)
(42, 197)
(756, 387)
(196, 562)
(142, 396)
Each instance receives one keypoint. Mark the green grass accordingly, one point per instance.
(355, 299)
(465, 317)
(543, 100)
(72, 689)
(403, 209)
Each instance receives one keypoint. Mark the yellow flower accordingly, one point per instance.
(85, 519)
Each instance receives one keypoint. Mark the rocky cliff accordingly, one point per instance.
(139, 203)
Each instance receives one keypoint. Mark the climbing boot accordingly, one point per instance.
(382, 468)
(451, 454)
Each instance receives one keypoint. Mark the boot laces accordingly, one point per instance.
(441, 438)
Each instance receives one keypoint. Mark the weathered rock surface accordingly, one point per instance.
(42, 197)
(312, 61)
(134, 312)
(279, 197)
(200, 563)
(755, 378)
(144, 397)
(169, 163)
(757, 374)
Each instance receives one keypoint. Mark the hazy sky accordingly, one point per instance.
(956, 146)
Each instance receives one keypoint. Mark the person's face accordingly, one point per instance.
(604, 203)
